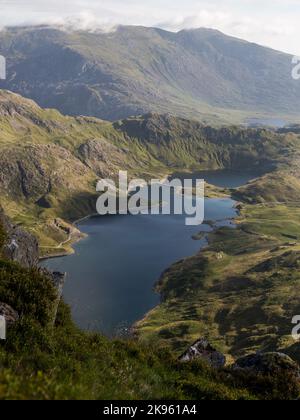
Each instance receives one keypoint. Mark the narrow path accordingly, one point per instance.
(61, 244)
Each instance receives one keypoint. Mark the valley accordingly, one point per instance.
(240, 292)
(50, 163)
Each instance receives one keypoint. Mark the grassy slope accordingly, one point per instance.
(46, 362)
(241, 292)
(39, 361)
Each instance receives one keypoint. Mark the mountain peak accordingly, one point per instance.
(203, 31)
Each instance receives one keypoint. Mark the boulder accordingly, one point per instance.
(10, 315)
(268, 364)
(202, 349)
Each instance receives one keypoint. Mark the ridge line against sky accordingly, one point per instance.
(272, 23)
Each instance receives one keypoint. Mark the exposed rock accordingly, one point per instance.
(36, 171)
(102, 157)
(268, 364)
(201, 349)
(58, 280)
(20, 246)
(10, 315)
(239, 206)
(290, 259)
(199, 236)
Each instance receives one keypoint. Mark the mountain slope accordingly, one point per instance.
(50, 163)
(134, 70)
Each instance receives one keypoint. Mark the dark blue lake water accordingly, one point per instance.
(266, 122)
(112, 273)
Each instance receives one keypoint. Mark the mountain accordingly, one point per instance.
(50, 163)
(134, 70)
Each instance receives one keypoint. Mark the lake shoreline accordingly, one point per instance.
(202, 236)
(216, 219)
(211, 191)
(182, 251)
(74, 237)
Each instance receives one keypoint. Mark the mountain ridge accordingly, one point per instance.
(133, 70)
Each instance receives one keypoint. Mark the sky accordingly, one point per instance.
(273, 23)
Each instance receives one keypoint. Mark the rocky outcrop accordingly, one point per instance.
(58, 279)
(19, 246)
(22, 247)
(269, 373)
(268, 364)
(202, 349)
(10, 315)
(290, 260)
(102, 157)
(33, 172)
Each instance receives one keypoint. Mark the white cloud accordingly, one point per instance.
(269, 22)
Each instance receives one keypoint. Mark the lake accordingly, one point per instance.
(266, 122)
(221, 178)
(112, 274)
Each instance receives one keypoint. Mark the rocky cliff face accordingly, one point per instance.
(34, 172)
(22, 247)
(102, 157)
(19, 246)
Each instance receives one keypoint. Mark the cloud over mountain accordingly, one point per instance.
(267, 22)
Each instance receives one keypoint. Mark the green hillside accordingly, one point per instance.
(241, 292)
